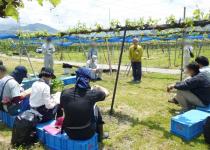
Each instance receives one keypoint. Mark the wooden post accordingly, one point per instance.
(175, 52)
(182, 47)
(110, 65)
(147, 50)
(118, 71)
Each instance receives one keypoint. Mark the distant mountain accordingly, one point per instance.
(38, 26)
(11, 28)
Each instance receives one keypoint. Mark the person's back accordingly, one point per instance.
(206, 70)
(78, 104)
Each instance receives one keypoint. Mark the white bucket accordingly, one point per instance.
(67, 70)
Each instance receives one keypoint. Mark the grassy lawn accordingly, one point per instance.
(142, 115)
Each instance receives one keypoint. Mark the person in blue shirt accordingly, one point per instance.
(194, 91)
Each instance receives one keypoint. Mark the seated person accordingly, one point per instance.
(82, 115)
(11, 84)
(93, 67)
(194, 91)
(40, 100)
(203, 63)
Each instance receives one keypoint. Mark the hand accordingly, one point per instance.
(47, 50)
(27, 94)
(55, 103)
(21, 90)
(169, 88)
(134, 60)
(97, 87)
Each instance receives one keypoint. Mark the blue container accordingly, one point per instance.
(95, 77)
(4, 117)
(53, 141)
(205, 109)
(189, 124)
(8, 119)
(69, 144)
(40, 131)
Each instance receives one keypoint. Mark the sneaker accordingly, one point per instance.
(133, 80)
(93, 80)
(138, 81)
(99, 79)
(173, 100)
(179, 112)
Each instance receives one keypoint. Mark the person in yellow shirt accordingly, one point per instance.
(135, 54)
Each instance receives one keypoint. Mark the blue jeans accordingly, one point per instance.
(136, 67)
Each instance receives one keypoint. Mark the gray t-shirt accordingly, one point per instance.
(11, 89)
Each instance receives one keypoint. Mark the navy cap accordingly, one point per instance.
(19, 73)
(49, 70)
(3, 68)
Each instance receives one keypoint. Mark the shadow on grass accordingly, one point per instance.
(153, 126)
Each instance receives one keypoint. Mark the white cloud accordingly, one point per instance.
(89, 11)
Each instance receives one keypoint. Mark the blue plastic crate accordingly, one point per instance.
(53, 141)
(40, 131)
(4, 117)
(8, 119)
(189, 124)
(69, 144)
(205, 109)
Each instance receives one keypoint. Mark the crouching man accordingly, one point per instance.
(93, 67)
(82, 115)
(194, 91)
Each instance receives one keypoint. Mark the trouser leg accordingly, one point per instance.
(100, 71)
(134, 70)
(51, 62)
(138, 71)
(185, 97)
(186, 61)
(93, 71)
(46, 61)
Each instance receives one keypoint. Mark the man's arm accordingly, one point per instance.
(129, 56)
(100, 88)
(187, 84)
(43, 49)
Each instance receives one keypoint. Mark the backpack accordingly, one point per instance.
(24, 131)
(206, 130)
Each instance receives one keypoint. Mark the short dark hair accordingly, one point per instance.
(3, 68)
(193, 66)
(202, 60)
(1, 62)
(45, 74)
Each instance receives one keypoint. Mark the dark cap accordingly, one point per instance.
(1, 62)
(48, 70)
(3, 68)
(48, 39)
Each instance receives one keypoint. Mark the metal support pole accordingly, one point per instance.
(175, 52)
(200, 47)
(127, 68)
(118, 71)
(83, 49)
(182, 47)
(30, 61)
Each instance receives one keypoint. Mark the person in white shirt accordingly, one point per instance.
(186, 53)
(48, 50)
(92, 51)
(93, 67)
(203, 62)
(40, 100)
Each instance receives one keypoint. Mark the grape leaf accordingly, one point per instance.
(1, 3)
(9, 1)
(40, 2)
(11, 11)
(55, 2)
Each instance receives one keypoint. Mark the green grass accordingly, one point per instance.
(141, 118)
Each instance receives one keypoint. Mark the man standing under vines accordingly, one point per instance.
(135, 54)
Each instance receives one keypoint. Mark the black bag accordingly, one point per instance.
(24, 131)
(191, 54)
(206, 130)
(1, 104)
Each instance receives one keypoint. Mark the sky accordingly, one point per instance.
(69, 12)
